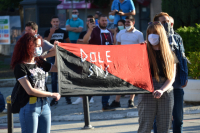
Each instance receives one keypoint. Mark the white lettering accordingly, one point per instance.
(93, 53)
(99, 69)
(100, 61)
(106, 71)
(82, 52)
(91, 72)
(107, 56)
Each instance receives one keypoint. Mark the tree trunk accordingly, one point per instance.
(21, 13)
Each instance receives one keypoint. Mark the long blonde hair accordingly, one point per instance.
(165, 49)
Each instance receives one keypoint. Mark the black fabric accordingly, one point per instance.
(82, 34)
(74, 81)
(59, 35)
(160, 64)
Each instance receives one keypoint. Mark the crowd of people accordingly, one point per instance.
(166, 57)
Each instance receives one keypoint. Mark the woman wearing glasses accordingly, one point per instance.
(163, 68)
(29, 71)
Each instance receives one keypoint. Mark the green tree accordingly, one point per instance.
(184, 12)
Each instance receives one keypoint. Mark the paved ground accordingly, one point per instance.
(65, 112)
(126, 125)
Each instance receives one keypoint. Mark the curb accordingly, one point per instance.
(79, 117)
(102, 116)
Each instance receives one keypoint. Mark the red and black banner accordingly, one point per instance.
(103, 69)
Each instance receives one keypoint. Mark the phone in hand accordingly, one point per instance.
(116, 12)
(91, 20)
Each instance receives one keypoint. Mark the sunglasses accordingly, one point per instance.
(74, 12)
(154, 23)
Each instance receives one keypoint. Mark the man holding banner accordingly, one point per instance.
(100, 35)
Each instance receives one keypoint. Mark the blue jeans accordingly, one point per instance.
(177, 112)
(73, 41)
(105, 100)
(36, 118)
(54, 76)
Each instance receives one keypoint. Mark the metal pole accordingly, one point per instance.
(86, 113)
(9, 115)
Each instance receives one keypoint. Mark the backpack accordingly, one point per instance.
(19, 97)
(15, 101)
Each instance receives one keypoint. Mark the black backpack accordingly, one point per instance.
(19, 97)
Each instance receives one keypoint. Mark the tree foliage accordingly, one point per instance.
(9, 4)
(184, 12)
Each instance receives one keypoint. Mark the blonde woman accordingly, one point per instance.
(163, 68)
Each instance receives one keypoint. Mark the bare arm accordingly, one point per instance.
(127, 14)
(86, 38)
(168, 83)
(67, 40)
(52, 30)
(34, 92)
(78, 29)
(69, 28)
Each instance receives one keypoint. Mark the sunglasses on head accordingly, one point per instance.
(154, 23)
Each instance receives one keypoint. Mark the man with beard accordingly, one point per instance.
(100, 35)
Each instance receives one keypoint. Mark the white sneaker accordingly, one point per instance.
(4, 111)
(92, 100)
(79, 100)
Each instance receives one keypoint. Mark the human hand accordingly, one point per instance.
(185, 84)
(56, 96)
(52, 30)
(121, 13)
(158, 93)
(91, 26)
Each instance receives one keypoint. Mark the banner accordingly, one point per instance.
(103, 69)
(4, 30)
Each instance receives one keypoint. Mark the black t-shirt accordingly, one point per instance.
(59, 35)
(160, 64)
(35, 74)
(82, 34)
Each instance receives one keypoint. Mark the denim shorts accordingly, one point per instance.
(35, 117)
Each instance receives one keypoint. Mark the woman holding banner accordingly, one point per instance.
(29, 71)
(163, 70)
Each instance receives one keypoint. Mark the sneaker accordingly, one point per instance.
(53, 102)
(108, 108)
(79, 100)
(115, 104)
(130, 104)
(91, 100)
(4, 111)
(69, 101)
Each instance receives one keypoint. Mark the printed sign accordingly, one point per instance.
(4, 30)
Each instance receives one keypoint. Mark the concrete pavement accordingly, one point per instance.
(126, 125)
(65, 112)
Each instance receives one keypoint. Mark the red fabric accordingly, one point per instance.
(128, 62)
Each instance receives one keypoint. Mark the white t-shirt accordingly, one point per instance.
(133, 37)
